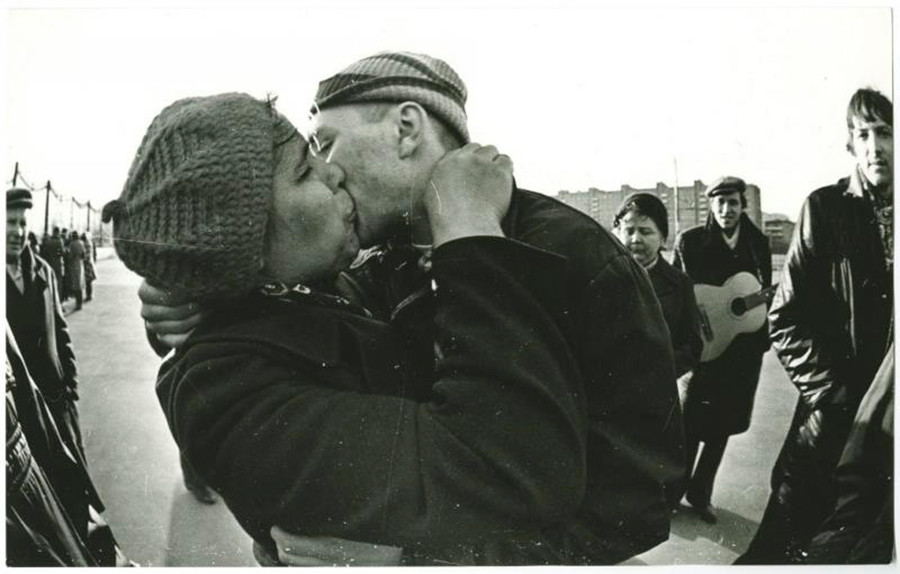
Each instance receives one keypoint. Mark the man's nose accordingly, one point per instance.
(330, 174)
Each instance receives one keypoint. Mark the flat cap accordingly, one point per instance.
(18, 197)
(726, 184)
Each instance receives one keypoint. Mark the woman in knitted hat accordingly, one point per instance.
(297, 406)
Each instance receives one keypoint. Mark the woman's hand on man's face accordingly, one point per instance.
(170, 320)
(296, 550)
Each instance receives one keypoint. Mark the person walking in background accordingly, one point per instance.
(90, 273)
(75, 258)
(33, 242)
(719, 396)
(832, 322)
(35, 316)
(53, 251)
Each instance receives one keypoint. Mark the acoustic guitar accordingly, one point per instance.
(738, 306)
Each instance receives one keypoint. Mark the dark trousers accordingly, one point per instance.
(700, 487)
(783, 533)
(701, 471)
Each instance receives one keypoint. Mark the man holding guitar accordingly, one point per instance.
(719, 397)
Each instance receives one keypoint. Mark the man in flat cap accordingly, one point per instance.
(719, 397)
(386, 121)
(35, 316)
(831, 327)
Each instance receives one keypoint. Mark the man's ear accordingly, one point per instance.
(412, 121)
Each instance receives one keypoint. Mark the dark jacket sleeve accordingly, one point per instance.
(805, 321)
(499, 447)
(630, 363)
(686, 339)
(63, 341)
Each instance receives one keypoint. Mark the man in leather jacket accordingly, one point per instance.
(831, 325)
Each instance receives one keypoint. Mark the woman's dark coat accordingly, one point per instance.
(293, 408)
(721, 392)
(675, 292)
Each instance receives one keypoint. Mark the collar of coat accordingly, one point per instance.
(858, 184)
(32, 266)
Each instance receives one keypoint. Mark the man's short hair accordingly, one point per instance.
(869, 105)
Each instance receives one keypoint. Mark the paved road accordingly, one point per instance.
(135, 462)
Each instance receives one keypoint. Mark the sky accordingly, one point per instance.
(579, 97)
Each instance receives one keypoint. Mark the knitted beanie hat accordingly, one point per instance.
(399, 77)
(192, 215)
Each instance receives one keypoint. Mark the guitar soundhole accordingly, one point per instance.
(738, 307)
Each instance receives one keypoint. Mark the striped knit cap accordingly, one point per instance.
(192, 215)
(399, 77)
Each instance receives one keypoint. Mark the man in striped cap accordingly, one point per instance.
(390, 122)
(395, 125)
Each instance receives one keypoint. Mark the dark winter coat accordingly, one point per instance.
(675, 292)
(860, 528)
(296, 410)
(48, 489)
(719, 399)
(830, 324)
(36, 318)
(619, 337)
(54, 251)
(75, 257)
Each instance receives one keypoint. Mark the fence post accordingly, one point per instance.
(46, 207)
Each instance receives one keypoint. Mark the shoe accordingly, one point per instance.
(703, 510)
(202, 493)
(705, 513)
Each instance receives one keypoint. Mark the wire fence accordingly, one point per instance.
(62, 210)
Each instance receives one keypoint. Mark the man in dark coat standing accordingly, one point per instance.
(53, 251)
(719, 396)
(35, 315)
(831, 326)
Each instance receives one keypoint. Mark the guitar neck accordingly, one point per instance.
(764, 296)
